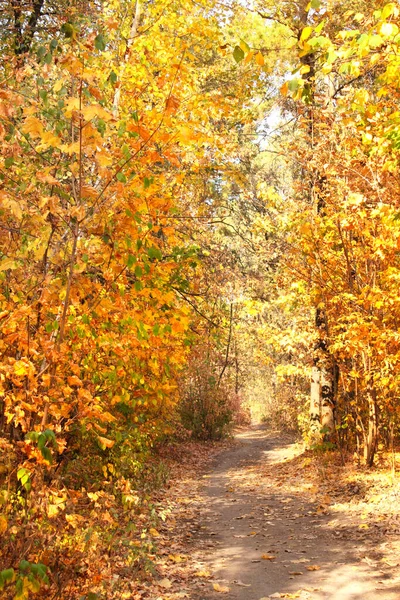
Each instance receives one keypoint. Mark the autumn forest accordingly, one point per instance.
(199, 233)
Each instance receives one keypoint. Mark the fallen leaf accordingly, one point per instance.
(221, 588)
(176, 557)
(313, 568)
(203, 573)
(165, 583)
(268, 557)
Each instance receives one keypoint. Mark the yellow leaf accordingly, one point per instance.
(103, 159)
(20, 369)
(389, 10)
(71, 148)
(58, 85)
(48, 138)
(221, 588)
(268, 557)
(95, 110)
(305, 34)
(33, 126)
(176, 558)
(13, 205)
(70, 105)
(74, 520)
(203, 573)
(185, 133)
(154, 532)
(305, 69)
(52, 510)
(260, 59)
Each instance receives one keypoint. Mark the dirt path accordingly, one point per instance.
(256, 532)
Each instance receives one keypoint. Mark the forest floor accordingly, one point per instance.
(260, 518)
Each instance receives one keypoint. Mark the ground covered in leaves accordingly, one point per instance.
(256, 517)
(268, 519)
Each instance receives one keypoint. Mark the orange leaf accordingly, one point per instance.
(260, 59)
(105, 442)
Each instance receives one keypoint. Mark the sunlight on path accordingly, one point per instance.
(264, 537)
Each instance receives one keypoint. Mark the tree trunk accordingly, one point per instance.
(322, 400)
(372, 437)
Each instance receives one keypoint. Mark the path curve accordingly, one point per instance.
(260, 538)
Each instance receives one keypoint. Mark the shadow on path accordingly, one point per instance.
(260, 537)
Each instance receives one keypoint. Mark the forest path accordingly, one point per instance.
(259, 531)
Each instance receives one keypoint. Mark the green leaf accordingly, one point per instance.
(113, 77)
(24, 476)
(68, 30)
(41, 441)
(138, 271)
(50, 435)
(294, 85)
(238, 54)
(121, 177)
(7, 575)
(154, 252)
(8, 162)
(101, 126)
(315, 4)
(138, 286)
(100, 42)
(131, 261)
(43, 95)
(363, 40)
(19, 588)
(126, 152)
(48, 58)
(46, 453)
